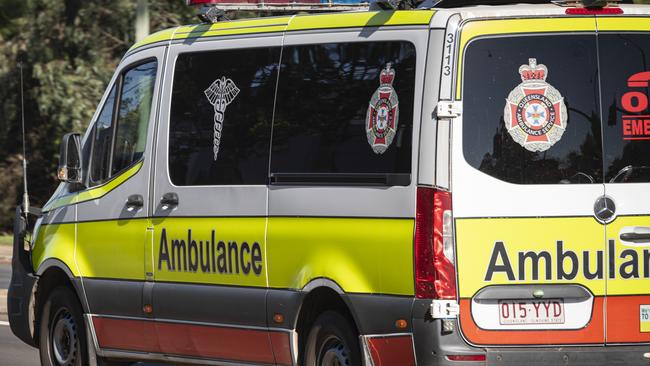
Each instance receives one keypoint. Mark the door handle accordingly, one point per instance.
(636, 234)
(169, 200)
(134, 202)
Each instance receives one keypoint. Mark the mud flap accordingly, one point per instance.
(22, 284)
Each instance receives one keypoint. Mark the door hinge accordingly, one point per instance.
(444, 309)
(449, 109)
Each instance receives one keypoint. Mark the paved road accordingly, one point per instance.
(5, 276)
(13, 351)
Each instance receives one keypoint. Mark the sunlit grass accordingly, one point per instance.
(6, 239)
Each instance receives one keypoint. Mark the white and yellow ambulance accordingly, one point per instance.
(456, 184)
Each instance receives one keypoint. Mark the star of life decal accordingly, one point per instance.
(535, 114)
(221, 93)
(383, 113)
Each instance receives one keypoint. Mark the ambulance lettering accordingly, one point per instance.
(566, 264)
(209, 256)
(636, 126)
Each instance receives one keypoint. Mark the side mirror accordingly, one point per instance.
(70, 159)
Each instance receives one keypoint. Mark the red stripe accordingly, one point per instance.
(201, 341)
(623, 319)
(132, 335)
(281, 348)
(392, 351)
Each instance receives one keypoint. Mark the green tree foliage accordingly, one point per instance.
(68, 50)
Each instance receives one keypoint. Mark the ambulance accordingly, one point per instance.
(458, 183)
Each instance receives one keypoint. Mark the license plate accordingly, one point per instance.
(548, 311)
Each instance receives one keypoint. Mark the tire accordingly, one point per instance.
(62, 332)
(332, 341)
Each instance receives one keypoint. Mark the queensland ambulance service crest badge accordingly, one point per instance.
(220, 93)
(383, 113)
(535, 114)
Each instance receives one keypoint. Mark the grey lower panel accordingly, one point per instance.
(578, 356)
(377, 314)
(285, 302)
(114, 297)
(432, 345)
(243, 306)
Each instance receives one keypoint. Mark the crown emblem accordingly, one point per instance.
(533, 71)
(387, 75)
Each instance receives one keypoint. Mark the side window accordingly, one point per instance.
(220, 117)
(625, 65)
(102, 138)
(119, 134)
(344, 114)
(133, 115)
(531, 111)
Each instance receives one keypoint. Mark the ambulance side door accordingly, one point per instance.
(210, 197)
(112, 213)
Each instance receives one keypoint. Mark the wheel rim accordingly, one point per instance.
(64, 338)
(333, 353)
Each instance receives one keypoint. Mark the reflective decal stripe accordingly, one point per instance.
(636, 24)
(295, 23)
(361, 19)
(211, 342)
(474, 29)
(391, 350)
(95, 192)
(591, 334)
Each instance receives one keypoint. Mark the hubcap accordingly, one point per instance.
(333, 353)
(65, 340)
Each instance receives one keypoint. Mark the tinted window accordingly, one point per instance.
(328, 98)
(221, 111)
(102, 138)
(552, 134)
(625, 65)
(133, 117)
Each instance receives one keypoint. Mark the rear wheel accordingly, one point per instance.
(332, 341)
(62, 333)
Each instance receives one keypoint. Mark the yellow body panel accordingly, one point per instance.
(111, 249)
(55, 241)
(475, 29)
(477, 239)
(360, 255)
(230, 231)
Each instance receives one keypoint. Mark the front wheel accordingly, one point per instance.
(332, 342)
(62, 332)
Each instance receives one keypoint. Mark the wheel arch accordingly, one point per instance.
(318, 296)
(53, 273)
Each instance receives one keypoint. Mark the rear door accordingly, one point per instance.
(527, 172)
(624, 46)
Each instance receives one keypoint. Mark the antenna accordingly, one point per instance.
(22, 113)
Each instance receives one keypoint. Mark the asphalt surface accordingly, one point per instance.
(5, 275)
(13, 352)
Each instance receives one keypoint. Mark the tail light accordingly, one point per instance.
(435, 273)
